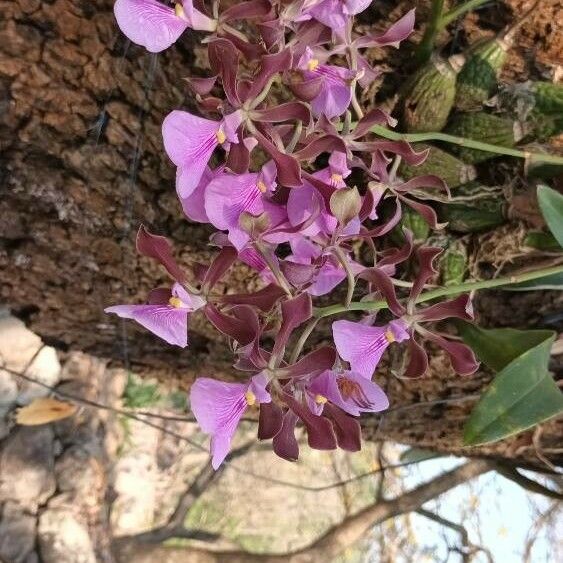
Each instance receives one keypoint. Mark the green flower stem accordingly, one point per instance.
(372, 306)
(472, 144)
(426, 46)
(458, 11)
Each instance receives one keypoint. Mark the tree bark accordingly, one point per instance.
(82, 165)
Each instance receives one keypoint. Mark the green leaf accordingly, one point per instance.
(522, 394)
(414, 455)
(553, 281)
(551, 205)
(498, 347)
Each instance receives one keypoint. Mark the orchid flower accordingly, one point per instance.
(229, 195)
(335, 94)
(348, 390)
(155, 25)
(337, 13)
(218, 408)
(166, 314)
(190, 141)
(330, 273)
(362, 346)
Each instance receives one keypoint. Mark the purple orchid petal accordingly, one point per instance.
(307, 90)
(382, 283)
(270, 421)
(193, 205)
(149, 23)
(350, 391)
(283, 112)
(320, 434)
(219, 266)
(228, 195)
(398, 32)
(425, 256)
(418, 360)
(246, 10)
(295, 312)
(223, 59)
(159, 296)
(219, 406)
(313, 363)
(284, 443)
(461, 356)
(158, 248)
(300, 208)
(459, 308)
(425, 211)
(264, 299)
(362, 346)
(167, 322)
(243, 326)
(347, 429)
(190, 141)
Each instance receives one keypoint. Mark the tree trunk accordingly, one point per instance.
(82, 164)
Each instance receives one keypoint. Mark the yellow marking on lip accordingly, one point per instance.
(320, 399)
(250, 398)
(175, 302)
(179, 11)
(262, 187)
(221, 137)
(389, 336)
(336, 177)
(313, 64)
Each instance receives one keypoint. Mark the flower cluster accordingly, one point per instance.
(295, 189)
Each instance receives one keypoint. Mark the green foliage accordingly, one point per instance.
(551, 205)
(523, 392)
(139, 394)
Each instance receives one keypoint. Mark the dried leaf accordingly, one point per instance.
(43, 411)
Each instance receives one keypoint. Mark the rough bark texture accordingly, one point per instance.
(82, 164)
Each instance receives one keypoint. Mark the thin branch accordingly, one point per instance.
(525, 482)
(174, 527)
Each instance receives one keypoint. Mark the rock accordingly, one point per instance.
(62, 539)
(18, 344)
(17, 534)
(26, 466)
(8, 396)
(136, 473)
(45, 368)
(79, 472)
(18, 347)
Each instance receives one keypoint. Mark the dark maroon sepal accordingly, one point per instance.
(157, 247)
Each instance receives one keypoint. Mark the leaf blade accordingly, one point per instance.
(551, 205)
(522, 394)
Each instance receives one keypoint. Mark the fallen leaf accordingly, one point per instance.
(43, 411)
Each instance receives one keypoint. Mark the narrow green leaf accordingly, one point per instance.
(498, 347)
(522, 394)
(554, 281)
(551, 205)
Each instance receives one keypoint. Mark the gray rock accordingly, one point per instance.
(26, 466)
(62, 539)
(17, 534)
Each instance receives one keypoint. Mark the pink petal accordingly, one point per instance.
(228, 195)
(149, 23)
(189, 141)
(167, 322)
(362, 346)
